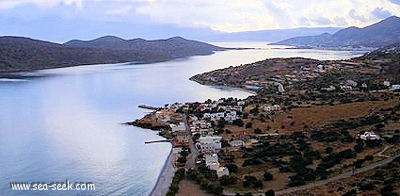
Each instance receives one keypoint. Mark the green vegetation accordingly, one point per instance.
(207, 179)
(174, 187)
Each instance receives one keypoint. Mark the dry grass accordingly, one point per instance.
(189, 188)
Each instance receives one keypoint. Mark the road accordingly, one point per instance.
(191, 158)
(338, 177)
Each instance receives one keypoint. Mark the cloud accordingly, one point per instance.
(7, 4)
(322, 21)
(381, 13)
(353, 14)
(340, 21)
(119, 10)
(395, 1)
(220, 15)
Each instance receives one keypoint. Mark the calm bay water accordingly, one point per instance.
(66, 124)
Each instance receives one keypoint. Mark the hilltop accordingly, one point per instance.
(377, 35)
(26, 54)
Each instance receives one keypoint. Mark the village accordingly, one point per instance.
(228, 137)
(309, 121)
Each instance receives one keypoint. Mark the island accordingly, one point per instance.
(313, 127)
(26, 54)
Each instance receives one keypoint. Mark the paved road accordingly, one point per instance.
(191, 158)
(338, 177)
(165, 178)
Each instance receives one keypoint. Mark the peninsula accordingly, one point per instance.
(315, 127)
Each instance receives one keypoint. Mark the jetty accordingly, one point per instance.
(157, 141)
(149, 107)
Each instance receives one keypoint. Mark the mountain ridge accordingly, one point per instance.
(377, 35)
(26, 54)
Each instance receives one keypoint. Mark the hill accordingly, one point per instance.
(380, 34)
(388, 58)
(271, 35)
(174, 47)
(25, 54)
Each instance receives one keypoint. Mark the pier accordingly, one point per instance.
(149, 107)
(157, 141)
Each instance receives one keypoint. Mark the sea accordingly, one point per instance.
(65, 125)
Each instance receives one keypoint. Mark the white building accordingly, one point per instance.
(241, 103)
(329, 89)
(351, 83)
(270, 108)
(178, 128)
(395, 87)
(209, 144)
(214, 116)
(364, 85)
(230, 116)
(369, 136)
(211, 158)
(346, 88)
(213, 164)
(236, 143)
(386, 83)
(222, 171)
(280, 88)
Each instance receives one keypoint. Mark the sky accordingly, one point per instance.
(61, 20)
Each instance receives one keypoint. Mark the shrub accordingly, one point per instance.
(270, 192)
(238, 122)
(268, 176)
(181, 160)
(233, 168)
(249, 125)
(227, 180)
(257, 131)
(252, 182)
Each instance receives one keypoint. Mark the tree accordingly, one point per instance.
(227, 180)
(224, 143)
(184, 153)
(181, 160)
(249, 125)
(268, 176)
(238, 122)
(252, 182)
(257, 131)
(270, 192)
(233, 168)
(221, 123)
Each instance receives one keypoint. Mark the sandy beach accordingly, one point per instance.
(165, 178)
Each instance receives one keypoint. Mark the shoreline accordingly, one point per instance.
(165, 177)
(225, 87)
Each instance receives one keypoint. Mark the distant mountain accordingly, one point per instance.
(25, 54)
(175, 47)
(377, 35)
(272, 35)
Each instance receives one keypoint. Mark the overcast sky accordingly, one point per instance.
(60, 19)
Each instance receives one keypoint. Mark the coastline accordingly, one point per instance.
(225, 87)
(165, 177)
